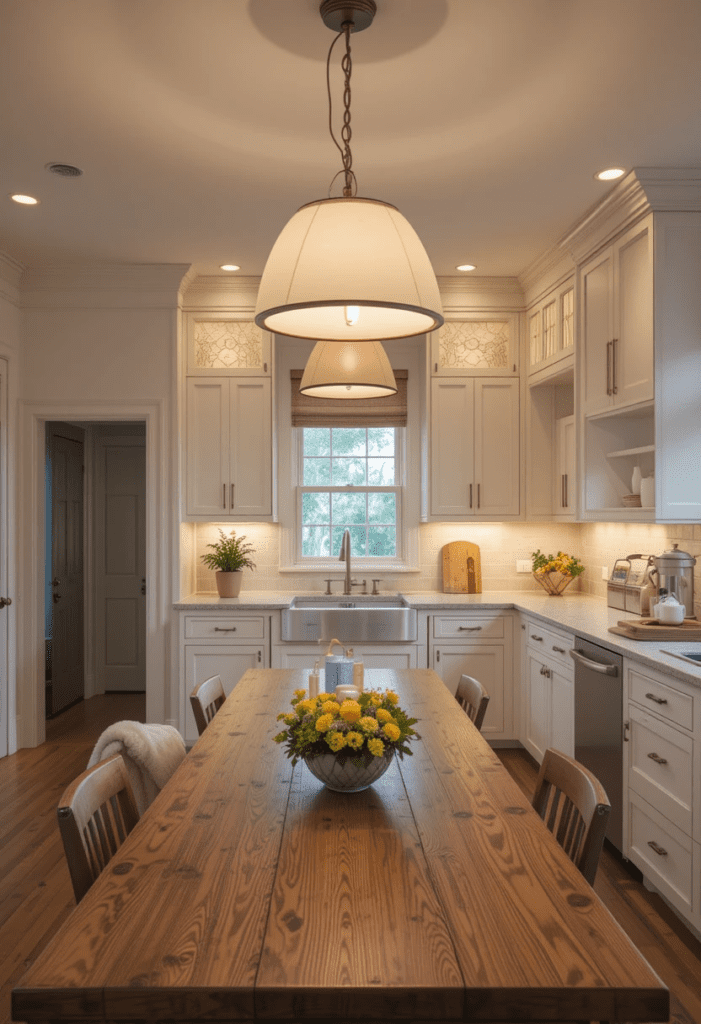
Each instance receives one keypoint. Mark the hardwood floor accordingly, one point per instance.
(35, 889)
(36, 894)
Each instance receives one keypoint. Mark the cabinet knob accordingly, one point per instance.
(4, 601)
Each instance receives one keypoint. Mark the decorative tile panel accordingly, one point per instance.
(228, 345)
(474, 344)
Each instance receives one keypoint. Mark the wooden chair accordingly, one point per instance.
(574, 806)
(95, 815)
(473, 699)
(206, 699)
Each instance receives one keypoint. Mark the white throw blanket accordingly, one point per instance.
(151, 754)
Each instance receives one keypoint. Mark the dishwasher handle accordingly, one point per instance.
(595, 666)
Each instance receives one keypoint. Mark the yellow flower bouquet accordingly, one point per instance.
(348, 741)
(555, 572)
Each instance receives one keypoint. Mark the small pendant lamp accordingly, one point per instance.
(341, 369)
(348, 252)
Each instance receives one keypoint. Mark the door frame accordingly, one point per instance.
(161, 695)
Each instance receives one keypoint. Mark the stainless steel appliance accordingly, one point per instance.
(598, 723)
(631, 584)
(674, 572)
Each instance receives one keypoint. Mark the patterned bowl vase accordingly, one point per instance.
(351, 774)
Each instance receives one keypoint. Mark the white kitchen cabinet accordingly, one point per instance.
(475, 463)
(617, 322)
(223, 644)
(565, 480)
(218, 345)
(476, 343)
(548, 698)
(478, 645)
(396, 656)
(550, 324)
(662, 766)
(229, 448)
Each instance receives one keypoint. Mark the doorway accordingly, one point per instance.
(95, 586)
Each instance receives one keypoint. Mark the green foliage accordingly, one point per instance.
(565, 564)
(229, 554)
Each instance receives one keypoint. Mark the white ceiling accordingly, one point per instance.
(201, 125)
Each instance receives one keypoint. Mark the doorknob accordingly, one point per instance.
(5, 601)
(57, 598)
(143, 585)
(55, 582)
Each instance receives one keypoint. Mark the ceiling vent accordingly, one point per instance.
(64, 170)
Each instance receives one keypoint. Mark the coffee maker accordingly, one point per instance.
(674, 572)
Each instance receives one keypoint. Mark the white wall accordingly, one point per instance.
(100, 344)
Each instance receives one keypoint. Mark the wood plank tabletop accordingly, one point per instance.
(249, 891)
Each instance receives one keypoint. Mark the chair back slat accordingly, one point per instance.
(574, 806)
(95, 815)
(205, 700)
(473, 699)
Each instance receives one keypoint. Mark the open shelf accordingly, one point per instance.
(644, 449)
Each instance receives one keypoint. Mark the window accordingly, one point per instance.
(349, 479)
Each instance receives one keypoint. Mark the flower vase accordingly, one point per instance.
(349, 772)
(553, 583)
(635, 482)
(229, 583)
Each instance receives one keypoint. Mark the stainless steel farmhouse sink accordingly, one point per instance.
(349, 619)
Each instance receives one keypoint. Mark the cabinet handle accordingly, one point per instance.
(478, 495)
(260, 657)
(657, 700)
(560, 650)
(470, 629)
(438, 655)
(470, 495)
(225, 629)
(435, 367)
(233, 492)
(542, 670)
(567, 491)
(562, 490)
(626, 730)
(659, 850)
(614, 374)
(534, 637)
(608, 367)
(657, 759)
(223, 496)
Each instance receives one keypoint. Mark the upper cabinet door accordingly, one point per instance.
(207, 430)
(597, 331)
(452, 447)
(476, 344)
(251, 447)
(218, 344)
(497, 462)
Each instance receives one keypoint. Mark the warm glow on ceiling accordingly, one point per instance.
(229, 266)
(610, 174)
(466, 266)
(24, 200)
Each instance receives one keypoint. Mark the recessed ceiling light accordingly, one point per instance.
(64, 170)
(610, 174)
(229, 266)
(24, 200)
(466, 266)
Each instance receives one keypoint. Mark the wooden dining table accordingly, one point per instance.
(249, 891)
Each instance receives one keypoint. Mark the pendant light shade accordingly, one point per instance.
(348, 269)
(338, 369)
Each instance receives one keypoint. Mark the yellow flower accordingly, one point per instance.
(392, 697)
(368, 724)
(355, 739)
(300, 693)
(289, 719)
(391, 731)
(376, 747)
(281, 737)
(350, 711)
(325, 696)
(336, 740)
(330, 707)
(375, 700)
(383, 716)
(323, 723)
(308, 706)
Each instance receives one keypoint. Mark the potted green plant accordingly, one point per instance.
(229, 556)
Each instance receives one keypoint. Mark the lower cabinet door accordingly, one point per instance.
(562, 711)
(536, 707)
(203, 661)
(484, 662)
(377, 656)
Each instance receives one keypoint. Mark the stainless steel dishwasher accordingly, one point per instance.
(598, 723)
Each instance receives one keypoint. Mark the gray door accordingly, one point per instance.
(65, 604)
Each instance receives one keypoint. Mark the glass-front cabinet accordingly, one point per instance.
(550, 325)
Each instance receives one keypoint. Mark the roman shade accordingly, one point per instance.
(389, 411)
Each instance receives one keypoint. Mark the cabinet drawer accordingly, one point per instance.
(661, 767)
(225, 627)
(552, 647)
(662, 852)
(468, 627)
(666, 701)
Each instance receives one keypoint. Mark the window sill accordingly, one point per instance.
(335, 568)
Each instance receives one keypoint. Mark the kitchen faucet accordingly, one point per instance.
(346, 555)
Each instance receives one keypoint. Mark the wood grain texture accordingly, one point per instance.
(249, 891)
(462, 568)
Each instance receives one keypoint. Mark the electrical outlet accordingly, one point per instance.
(523, 565)
(604, 572)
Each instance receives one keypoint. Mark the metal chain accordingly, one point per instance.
(350, 187)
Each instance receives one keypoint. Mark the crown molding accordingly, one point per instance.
(480, 293)
(11, 271)
(547, 271)
(642, 190)
(221, 293)
(105, 277)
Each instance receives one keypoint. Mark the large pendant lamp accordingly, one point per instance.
(348, 268)
(347, 369)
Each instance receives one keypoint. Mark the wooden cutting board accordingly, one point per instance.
(652, 629)
(462, 571)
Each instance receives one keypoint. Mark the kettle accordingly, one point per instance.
(674, 572)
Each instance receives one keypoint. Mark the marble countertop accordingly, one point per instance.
(588, 617)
